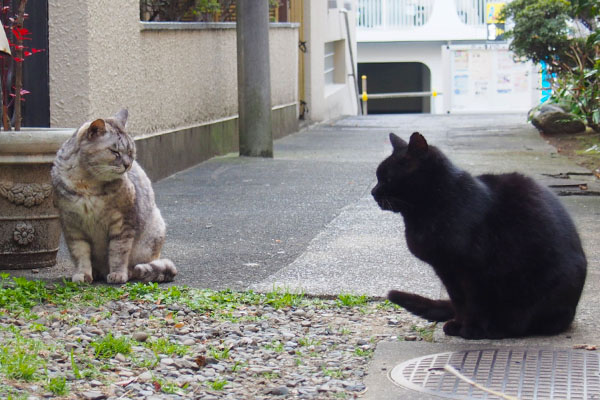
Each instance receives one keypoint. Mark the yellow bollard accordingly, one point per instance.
(364, 94)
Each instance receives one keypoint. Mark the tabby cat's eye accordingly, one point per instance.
(116, 153)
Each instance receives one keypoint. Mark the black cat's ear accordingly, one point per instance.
(121, 117)
(397, 143)
(417, 145)
(96, 129)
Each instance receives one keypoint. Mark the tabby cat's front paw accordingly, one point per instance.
(80, 278)
(117, 277)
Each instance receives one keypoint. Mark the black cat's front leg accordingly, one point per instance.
(452, 328)
(119, 248)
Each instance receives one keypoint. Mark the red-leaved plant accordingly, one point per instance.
(11, 67)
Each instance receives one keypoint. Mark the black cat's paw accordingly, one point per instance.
(452, 328)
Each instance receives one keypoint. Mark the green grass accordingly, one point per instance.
(275, 346)
(270, 375)
(335, 373)
(218, 384)
(307, 342)
(424, 332)
(278, 299)
(362, 352)
(19, 357)
(165, 346)
(351, 300)
(109, 346)
(218, 354)
(58, 386)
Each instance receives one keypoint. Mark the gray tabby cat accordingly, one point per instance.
(110, 221)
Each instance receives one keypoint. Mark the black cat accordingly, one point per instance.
(504, 247)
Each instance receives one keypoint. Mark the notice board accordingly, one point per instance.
(486, 78)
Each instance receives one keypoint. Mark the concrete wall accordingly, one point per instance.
(428, 53)
(322, 25)
(173, 78)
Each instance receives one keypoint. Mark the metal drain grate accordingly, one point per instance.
(522, 373)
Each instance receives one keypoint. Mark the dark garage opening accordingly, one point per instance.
(397, 77)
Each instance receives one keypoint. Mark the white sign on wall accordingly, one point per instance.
(485, 78)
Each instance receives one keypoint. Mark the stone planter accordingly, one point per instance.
(29, 223)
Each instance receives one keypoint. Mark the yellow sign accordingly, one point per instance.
(493, 12)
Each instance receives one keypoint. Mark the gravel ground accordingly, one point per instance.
(318, 349)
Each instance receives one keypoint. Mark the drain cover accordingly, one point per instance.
(521, 373)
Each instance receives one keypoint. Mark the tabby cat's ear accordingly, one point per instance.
(121, 117)
(96, 129)
(397, 143)
(417, 145)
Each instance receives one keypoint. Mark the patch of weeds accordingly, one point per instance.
(218, 384)
(19, 357)
(221, 302)
(237, 366)
(424, 332)
(218, 354)
(363, 352)
(18, 396)
(143, 362)
(165, 346)
(275, 346)
(386, 304)
(36, 327)
(307, 342)
(74, 366)
(168, 387)
(109, 346)
(270, 375)
(345, 331)
(282, 299)
(58, 386)
(332, 373)
(351, 300)
(19, 293)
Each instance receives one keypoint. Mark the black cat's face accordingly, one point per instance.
(397, 174)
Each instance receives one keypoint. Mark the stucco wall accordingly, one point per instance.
(103, 58)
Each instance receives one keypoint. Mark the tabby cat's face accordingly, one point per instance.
(399, 175)
(106, 150)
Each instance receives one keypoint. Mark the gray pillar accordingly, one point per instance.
(254, 78)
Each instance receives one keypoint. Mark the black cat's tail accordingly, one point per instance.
(432, 310)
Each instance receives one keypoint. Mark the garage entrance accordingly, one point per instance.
(397, 77)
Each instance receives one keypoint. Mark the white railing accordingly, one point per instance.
(471, 12)
(393, 14)
(406, 14)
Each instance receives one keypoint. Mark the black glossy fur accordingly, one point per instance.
(504, 247)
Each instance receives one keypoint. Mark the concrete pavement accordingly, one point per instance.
(305, 220)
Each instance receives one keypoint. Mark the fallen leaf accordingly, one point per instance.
(156, 385)
(201, 361)
(583, 186)
(169, 316)
(179, 325)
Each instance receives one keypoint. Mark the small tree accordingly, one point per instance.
(11, 68)
(564, 35)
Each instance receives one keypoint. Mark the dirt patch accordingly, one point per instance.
(582, 148)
